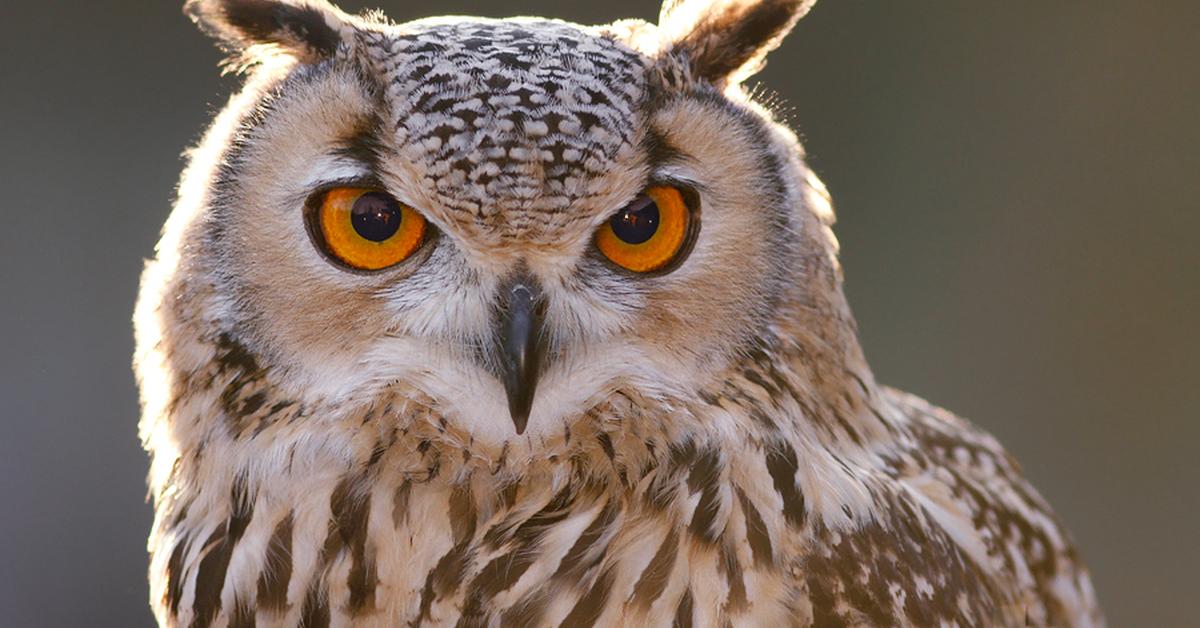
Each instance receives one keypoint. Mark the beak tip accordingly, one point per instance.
(520, 418)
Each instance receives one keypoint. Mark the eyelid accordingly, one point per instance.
(366, 181)
(663, 177)
(674, 174)
(329, 171)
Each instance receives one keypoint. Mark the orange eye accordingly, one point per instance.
(649, 233)
(368, 229)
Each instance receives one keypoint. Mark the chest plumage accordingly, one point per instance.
(580, 358)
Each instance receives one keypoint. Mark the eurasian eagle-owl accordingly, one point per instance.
(520, 322)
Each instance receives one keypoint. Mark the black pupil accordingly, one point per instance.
(376, 216)
(637, 222)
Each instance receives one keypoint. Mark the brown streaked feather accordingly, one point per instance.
(330, 447)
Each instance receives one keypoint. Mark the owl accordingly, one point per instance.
(519, 322)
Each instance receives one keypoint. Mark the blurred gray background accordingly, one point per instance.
(1017, 187)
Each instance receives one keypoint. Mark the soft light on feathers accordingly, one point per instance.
(705, 446)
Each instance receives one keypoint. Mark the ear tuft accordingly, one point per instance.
(728, 40)
(309, 30)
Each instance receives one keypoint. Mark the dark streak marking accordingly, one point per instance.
(448, 573)
(252, 403)
(589, 607)
(316, 608)
(757, 534)
(554, 511)
(733, 575)
(706, 469)
(277, 568)
(848, 428)
(705, 476)
(607, 445)
(174, 592)
(210, 578)
(782, 466)
(654, 578)
(243, 615)
(279, 407)
(350, 512)
(683, 614)
(452, 566)
(527, 611)
(572, 564)
(377, 454)
(705, 515)
(558, 509)
(499, 575)
(662, 491)
(400, 503)
(508, 494)
(233, 357)
(462, 512)
(754, 378)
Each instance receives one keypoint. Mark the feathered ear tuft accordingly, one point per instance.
(728, 40)
(309, 30)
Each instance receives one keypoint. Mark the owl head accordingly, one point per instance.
(509, 222)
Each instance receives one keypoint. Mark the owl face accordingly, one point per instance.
(510, 220)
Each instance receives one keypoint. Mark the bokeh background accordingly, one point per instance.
(1017, 186)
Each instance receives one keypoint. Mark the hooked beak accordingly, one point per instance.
(519, 327)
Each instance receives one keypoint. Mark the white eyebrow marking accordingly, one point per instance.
(326, 169)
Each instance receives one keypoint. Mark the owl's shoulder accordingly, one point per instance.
(957, 535)
(941, 439)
